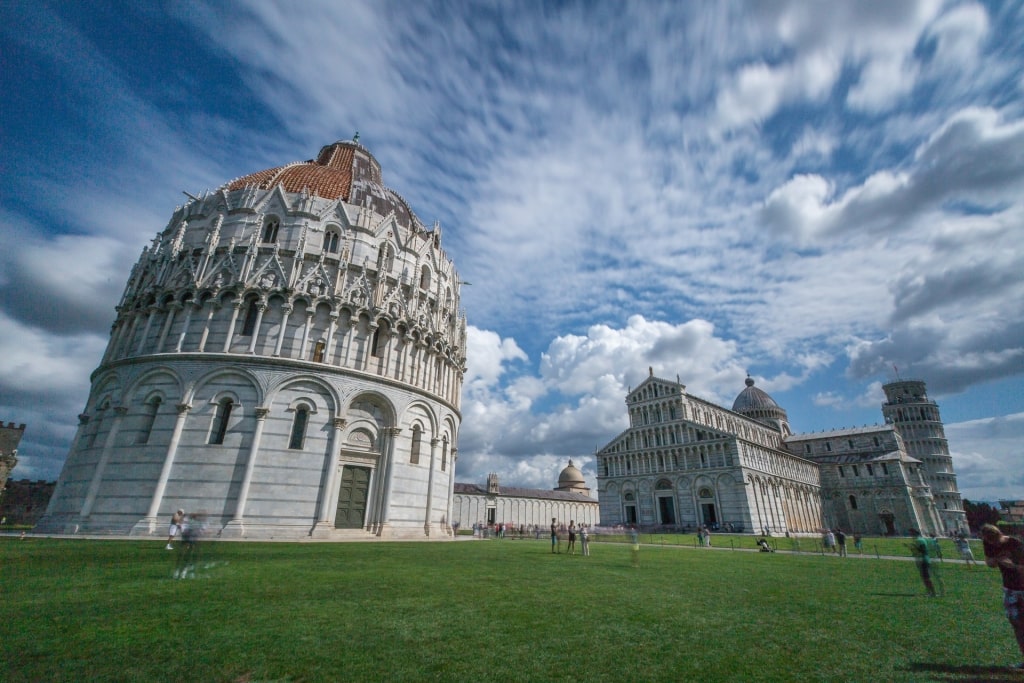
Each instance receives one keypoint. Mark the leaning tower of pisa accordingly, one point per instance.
(916, 418)
(287, 360)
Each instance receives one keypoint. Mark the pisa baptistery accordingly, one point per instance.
(287, 359)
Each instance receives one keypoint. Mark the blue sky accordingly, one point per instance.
(814, 193)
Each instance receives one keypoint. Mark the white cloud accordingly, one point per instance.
(759, 90)
(959, 34)
(883, 80)
(987, 455)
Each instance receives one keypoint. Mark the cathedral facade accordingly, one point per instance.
(287, 359)
(686, 462)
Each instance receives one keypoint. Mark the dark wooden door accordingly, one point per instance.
(352, 493)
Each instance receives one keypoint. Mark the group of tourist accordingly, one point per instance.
(572, 532)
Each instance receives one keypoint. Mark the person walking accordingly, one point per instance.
(920, 547)
(1007, 554)
(584, 540)
(963, 546)
(572, 537)
(177, 520)
(841, 541)
(554, 536)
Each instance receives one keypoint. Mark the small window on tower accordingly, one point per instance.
(298, 435)
(219, 428)
(417, 440)
(148, 418)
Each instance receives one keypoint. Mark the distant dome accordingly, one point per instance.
(758, 405)
(570, 477)
(753, 398)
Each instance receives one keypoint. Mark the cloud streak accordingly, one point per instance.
(810, 193)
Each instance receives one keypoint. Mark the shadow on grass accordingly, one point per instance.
(898, 595)
(968, 673)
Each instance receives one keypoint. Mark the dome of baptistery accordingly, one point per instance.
(570, 476)
(287, 361)
(757, 404)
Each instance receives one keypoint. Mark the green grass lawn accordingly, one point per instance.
(76, 610)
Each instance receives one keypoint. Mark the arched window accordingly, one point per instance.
(270, 227)
(219, 428)
(425, 277)
(380, 340)
(152, 407)
(298, 436)
(251, 313)
(417, 442)
(853, 502)
(331, 241)
(385, 258)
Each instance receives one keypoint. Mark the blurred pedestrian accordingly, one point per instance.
(921, 549)
(177, 520)
(1007, 554)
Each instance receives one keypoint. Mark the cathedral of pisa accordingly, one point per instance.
(287, 359)
(686, 462)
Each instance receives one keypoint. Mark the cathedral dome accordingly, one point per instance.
(570, 477)
(343, 170)
(758, 405)
(753, 398)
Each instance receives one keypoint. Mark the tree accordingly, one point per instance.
(980, 513)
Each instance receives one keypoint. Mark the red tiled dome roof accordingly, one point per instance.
(344, 170)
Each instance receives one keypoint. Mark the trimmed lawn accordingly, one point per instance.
(77, 610)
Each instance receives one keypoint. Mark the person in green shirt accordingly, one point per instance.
(921, 548)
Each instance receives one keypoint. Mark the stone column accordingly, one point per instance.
(368, 346)
(387, 455)
(328, 346)
(260, 308)
(451, 492)
(430, 486)
(325, 523)
(172, 309)
(214, 307)
(350, 340)
(236, 308)
(287, 309)
(147, 525)
(305, 333)
(236, 526)
(108, 446)
(145, 331)
(184, 328)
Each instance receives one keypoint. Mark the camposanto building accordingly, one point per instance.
(517, 507)
(287, 358)
(687, 462)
